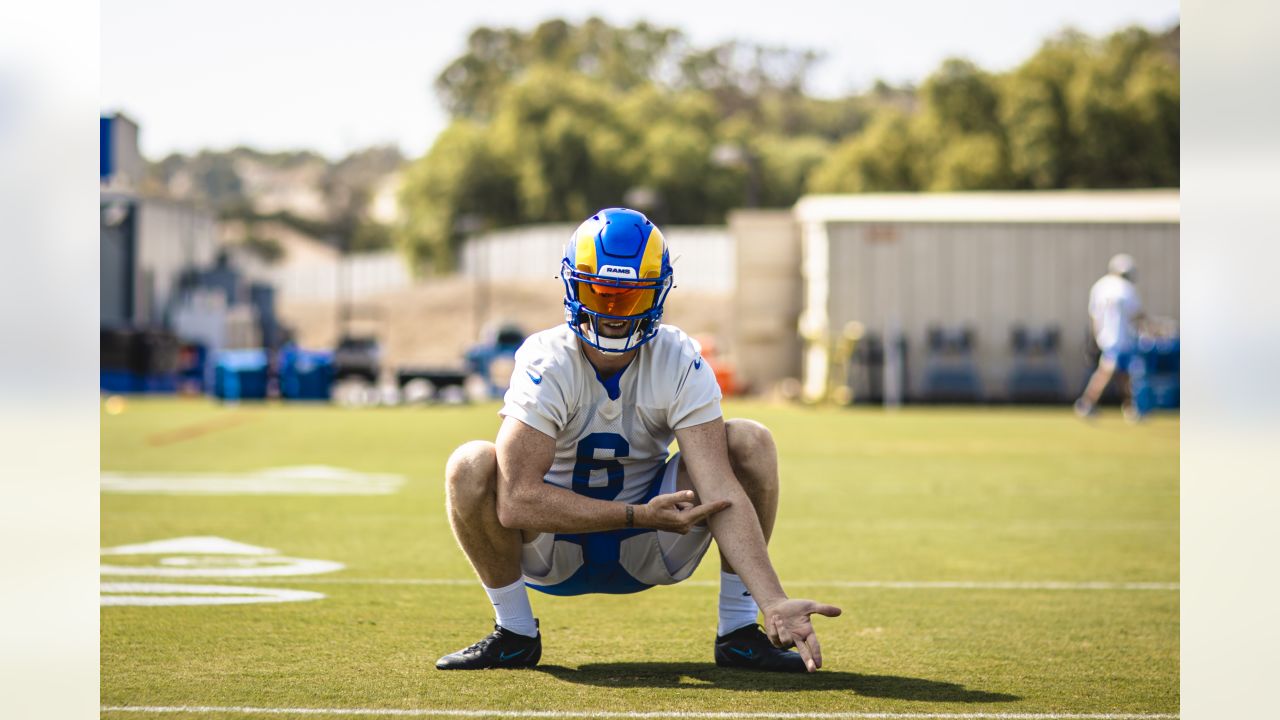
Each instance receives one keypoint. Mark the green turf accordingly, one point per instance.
(917, 495)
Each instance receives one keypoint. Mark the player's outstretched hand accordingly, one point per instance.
(675, 512)
(787, 623)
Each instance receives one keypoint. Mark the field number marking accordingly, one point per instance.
(204, 557)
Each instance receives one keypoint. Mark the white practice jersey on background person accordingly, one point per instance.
(1113, 304)
(614, 446)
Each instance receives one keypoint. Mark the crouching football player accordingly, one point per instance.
(579, 496)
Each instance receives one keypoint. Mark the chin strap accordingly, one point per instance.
(621, 344)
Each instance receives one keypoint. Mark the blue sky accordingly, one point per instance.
(335, 76)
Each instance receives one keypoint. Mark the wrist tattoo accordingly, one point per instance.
(631, 516)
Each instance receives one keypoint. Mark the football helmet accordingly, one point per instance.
(616, 270)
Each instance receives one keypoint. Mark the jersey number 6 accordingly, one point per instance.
(588, 462)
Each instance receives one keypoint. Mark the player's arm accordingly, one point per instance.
(525, 502)
(738, 534)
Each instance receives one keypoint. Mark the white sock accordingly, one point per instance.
(737, 607)
(511, 605)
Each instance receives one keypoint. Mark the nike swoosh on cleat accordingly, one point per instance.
(504, 656)
(748, 654)
(537, 379)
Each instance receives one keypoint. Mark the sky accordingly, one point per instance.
(335, 76)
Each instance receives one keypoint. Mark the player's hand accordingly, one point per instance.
(676, 512)
(787, 623)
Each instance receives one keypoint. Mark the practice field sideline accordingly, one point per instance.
(992, 563)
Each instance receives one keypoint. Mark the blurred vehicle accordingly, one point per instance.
(493, 359)
(357, 356)
(138, 361)
(421, 384)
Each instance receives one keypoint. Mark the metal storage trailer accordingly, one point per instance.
(984, 261)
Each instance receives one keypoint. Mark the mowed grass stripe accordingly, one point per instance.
(427, 712)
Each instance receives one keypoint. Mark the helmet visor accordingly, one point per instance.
(620, 298)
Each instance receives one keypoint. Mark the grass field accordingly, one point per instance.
(996, 562)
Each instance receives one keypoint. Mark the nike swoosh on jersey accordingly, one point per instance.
(697, 364)
(537, 379)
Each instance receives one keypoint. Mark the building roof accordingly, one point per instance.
(1045, 206)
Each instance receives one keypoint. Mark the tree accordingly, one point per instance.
(884, 158)
(622, 57)
(1124, 101)
(963, 144)
(553, 123)
(1037, 114)
(460, 176)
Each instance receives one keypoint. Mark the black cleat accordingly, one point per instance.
(748, 648)
(500, 649)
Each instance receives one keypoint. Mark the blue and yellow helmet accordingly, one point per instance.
(616, 270)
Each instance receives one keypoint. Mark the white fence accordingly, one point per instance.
(702, 256)
(355, 277)
(703, 259)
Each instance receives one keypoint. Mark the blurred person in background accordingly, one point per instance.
(579, 495)
(1116, 311)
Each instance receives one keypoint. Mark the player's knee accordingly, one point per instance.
(750, 442)
(472, 471)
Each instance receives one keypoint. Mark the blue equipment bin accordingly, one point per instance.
(306, 374)
(1154, 372)
(119, 382)
(163, 383)
(240, 375)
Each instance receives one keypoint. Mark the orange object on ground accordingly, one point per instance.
(726, 374)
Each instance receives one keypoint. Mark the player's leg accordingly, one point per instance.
(754, 458)
(471, 483)
(471, 500)
(1096, 386)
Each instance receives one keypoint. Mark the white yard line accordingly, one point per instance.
(427, 712)
(884, 584)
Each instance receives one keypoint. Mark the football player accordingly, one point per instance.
(579, 496)
(1116, 311)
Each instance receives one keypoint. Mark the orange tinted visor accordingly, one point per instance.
(616, 298)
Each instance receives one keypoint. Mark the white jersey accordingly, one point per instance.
(610, 441)
(1113, 304)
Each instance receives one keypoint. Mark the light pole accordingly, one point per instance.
(468, 225)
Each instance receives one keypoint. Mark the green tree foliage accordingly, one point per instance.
(565, 119)
(1037, 110)
(1086, 113)
(964, 143)
(1125, 102)
(886, 157)
(460, 180)
(471, 85)
(552, 123)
